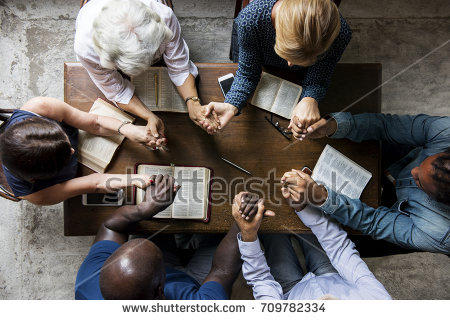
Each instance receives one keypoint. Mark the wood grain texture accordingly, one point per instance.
(249, 141)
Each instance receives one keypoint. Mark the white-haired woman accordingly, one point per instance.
(115, 37)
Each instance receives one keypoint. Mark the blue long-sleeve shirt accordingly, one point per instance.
(354, 280)
(415, 220)
(256, 40)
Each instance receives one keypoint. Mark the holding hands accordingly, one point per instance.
(299, 189)
(208, 121)
(224, 112)
(248, 211)
(303, 116)
(158, 196)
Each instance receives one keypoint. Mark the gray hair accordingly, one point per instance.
(127, 34)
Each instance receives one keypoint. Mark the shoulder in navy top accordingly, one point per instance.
(178, 286)
(21, 187)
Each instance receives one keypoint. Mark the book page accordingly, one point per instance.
(169, 99)
(341, 174)
(266, 91)
(146, 85)
(154, 170)
(287, 99)
(98, 149)
(191, 199)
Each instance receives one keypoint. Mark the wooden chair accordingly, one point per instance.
(5, 190)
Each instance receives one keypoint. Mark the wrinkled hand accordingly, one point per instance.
(105, 183)
(158, 196)
(248, 211)
(305, 113)
(142, 135)
(325, 127)
(299, 189)
(224, 111)
(155, 128)
(210, 123)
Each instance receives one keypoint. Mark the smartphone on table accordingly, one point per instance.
(113, 199)
(225, 83)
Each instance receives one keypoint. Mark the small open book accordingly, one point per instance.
(157, 92)
(341, 174)
(192, 200)
(276, 95)
(96, 152)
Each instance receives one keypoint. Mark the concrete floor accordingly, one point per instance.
(409, 37)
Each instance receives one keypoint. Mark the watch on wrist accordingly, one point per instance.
(193, 98)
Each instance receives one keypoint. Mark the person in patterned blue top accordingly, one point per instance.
(307, 36)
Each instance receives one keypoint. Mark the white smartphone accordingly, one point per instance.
(114, 199)
(225, 83)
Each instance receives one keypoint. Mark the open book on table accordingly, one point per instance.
(192, 200)
(96, 152)
(340, 173)
(276, 95)
(157, 92)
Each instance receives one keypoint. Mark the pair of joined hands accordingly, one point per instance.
(298, 188)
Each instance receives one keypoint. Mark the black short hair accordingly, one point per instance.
(35, 149)
(441, 176)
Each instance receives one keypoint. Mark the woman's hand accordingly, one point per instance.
(105, 183)
(155, 127)
(141, 134)
(197, 115)
(224, 111)
(305, 113)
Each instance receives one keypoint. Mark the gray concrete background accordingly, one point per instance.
(36, 37)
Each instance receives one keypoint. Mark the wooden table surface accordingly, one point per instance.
(248, 140)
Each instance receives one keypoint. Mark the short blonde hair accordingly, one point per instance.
(127, 34)
(305, 29)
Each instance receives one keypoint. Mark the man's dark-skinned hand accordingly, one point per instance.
(249, 223)
(158, 196)
(299, 189)
(125, 219)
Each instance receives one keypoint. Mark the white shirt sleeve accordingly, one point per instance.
(341, 251)
(176, 54)
(256, 271)
(110, 82)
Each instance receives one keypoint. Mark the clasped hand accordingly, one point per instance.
(299, 189)
(158, 196)
(248, 211)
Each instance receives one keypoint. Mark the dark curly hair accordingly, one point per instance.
(35, 149)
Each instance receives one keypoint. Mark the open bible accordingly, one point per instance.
(276, 95)
(340, 173)
(157, 92)
(96, 152)
(192, 200)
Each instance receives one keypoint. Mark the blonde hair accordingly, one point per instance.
(127, 34)
(305, 29)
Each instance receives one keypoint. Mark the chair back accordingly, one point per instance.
(5, 190)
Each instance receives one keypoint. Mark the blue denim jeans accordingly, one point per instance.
(283, 261)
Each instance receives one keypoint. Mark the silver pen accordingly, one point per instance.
(236, 166)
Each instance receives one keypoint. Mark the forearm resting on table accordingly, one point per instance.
(136, 107)
(65, 190)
